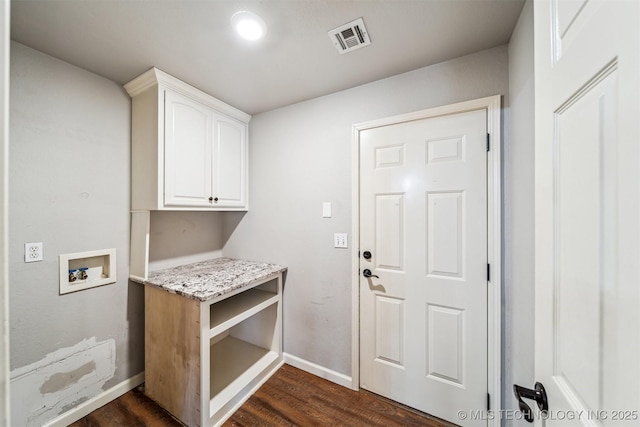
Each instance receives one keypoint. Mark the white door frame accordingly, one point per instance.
(4, 212)
(494, 236)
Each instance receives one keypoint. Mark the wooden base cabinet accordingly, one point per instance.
(204, 359)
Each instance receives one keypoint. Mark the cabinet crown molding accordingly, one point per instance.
(157, 77)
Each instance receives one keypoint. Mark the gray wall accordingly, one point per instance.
(300, 156)
(69, 188)
(179, 238)
(518, 294)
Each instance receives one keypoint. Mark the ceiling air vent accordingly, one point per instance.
(350, 36)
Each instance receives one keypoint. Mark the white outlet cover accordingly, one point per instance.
(33, 252)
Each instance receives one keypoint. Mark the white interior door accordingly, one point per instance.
(423, 218)
(587, 324)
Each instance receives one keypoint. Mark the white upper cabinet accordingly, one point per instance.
(189, 150)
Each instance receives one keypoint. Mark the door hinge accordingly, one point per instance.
(488, 142)
(488, 272)
(488, 402)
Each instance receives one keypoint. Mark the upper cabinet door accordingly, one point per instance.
(230, 162)
(187, 152)
(188, 149)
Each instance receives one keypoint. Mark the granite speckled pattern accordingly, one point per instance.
(209, 279)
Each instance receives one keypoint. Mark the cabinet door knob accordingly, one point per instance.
(215, 200)
(211, 199)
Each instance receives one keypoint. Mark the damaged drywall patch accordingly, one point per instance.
(45, 389)
(63, 380)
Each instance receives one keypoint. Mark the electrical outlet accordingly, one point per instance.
(340, 240)
(33, 252)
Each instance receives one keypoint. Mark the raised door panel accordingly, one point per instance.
(230, 163)
(187, 150)
(389, 231)
(389, 330)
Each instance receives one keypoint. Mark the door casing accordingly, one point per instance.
(492, 105)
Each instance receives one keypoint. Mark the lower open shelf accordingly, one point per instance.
(234, 364)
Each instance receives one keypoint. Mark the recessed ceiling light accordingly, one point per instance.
(248, 25)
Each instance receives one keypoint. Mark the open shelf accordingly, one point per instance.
(233, 310)
(234, 364)
(211, 355)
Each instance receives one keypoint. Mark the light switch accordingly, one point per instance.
(326, 210)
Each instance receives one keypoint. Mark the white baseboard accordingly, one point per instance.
(317, 370)
(85, 408)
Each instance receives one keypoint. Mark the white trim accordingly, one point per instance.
(5, 20)
(317, 370)
(355, 259)
(85, 408)
(158, 77)
(494, 256)
(139, 245)
(494, 236)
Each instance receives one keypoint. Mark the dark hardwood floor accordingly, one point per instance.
(291, 397)
(131, 409)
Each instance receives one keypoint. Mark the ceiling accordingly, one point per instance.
(193, 40)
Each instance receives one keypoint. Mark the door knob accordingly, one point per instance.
(367, 273)
(538, 394)
(366, 255)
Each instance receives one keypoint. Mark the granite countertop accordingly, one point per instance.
(206, 280)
